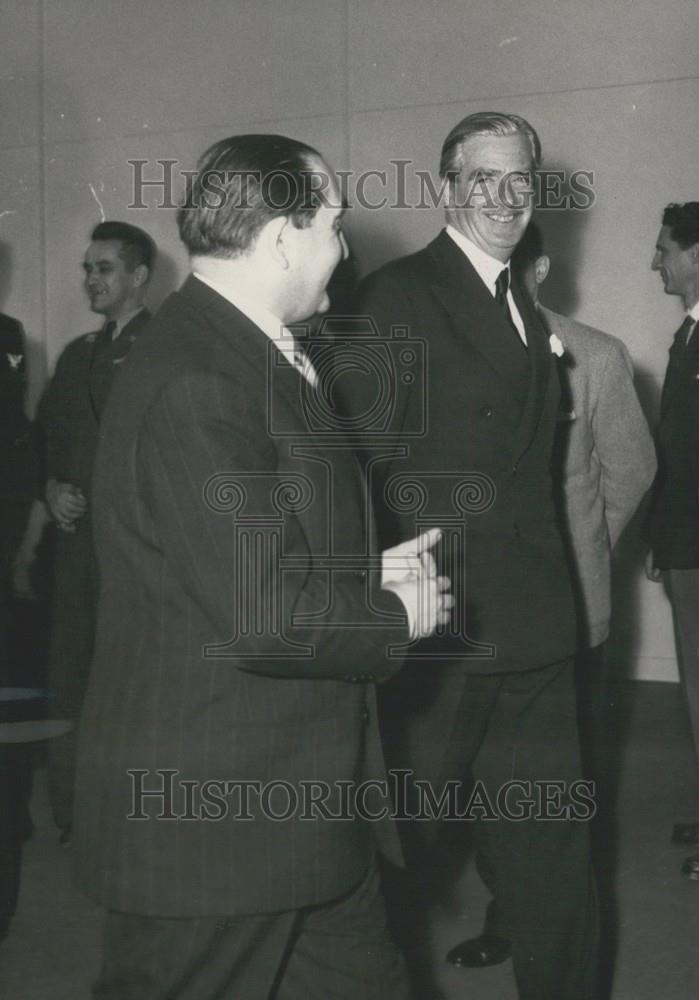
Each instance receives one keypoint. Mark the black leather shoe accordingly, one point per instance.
(686, 833)
(477, 953)
(690, 868)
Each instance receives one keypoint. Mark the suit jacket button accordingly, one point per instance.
(486, 411)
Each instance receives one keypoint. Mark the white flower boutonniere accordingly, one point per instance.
(557, 347)
(15, 361)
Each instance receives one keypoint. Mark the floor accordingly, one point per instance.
(52, 952)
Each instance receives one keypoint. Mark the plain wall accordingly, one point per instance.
(612, 87)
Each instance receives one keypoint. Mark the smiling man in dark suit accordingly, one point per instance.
(239, 637)
(604, 462)
(493, 698)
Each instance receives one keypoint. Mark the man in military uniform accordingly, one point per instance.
(118, 264)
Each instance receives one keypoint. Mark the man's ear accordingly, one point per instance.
(274, 238)
(542, 266)
(694, 253)
(140, 275)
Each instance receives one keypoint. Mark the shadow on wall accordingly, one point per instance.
(164, 280)
(564, 240)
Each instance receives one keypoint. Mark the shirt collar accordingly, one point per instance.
(124, 321)
(487, 268)
(273, 328)
(694, 311)
(262, 317)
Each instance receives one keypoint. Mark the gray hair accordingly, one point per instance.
(484, 123)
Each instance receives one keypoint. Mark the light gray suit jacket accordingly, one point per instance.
(607, 458)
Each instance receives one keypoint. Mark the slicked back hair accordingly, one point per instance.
(137, 247)
(494, 123)
(242, 183)
(683, 222)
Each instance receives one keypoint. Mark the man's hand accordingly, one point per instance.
(652, 571)
(409, 570)
(66, 503)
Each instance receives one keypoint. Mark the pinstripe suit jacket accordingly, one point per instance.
(205, 478)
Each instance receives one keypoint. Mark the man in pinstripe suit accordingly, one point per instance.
(231, 719)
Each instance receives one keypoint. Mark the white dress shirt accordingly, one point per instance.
(488, 268)
(694, 313)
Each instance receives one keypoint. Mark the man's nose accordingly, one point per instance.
(655, 263)
(512, 193)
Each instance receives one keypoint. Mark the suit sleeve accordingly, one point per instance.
(623, 442)
(202, 430)
(54, 414)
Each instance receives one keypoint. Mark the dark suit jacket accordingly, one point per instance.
(18, 484)
(673, 525)
(480, 468)
(202, 455)
(17, 455)
(489, 416)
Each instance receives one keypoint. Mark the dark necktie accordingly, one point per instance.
(682, 336)
(105, 338)
(676, 364)
(502, 284)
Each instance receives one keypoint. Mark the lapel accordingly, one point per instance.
(476, 316)
(472, 309)
(683, 362)
(542, 364)
(103, 365)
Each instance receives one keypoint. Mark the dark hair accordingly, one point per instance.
(137, 247)
(529, 249)
(683, 221)
(484, 123)
(241, 184)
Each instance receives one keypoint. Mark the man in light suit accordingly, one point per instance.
(117, 267)
(229, 755)
(493, 697)
(672, 530)
(604, 462)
